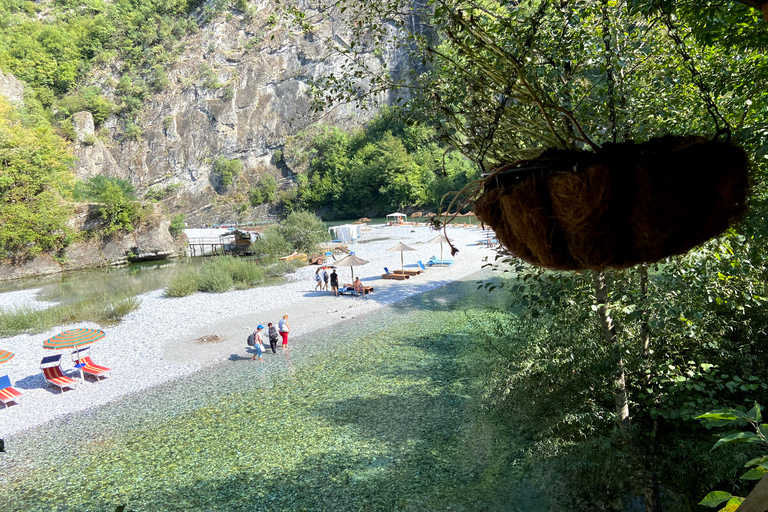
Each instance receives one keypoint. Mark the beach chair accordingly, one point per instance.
(8, 393)
(407, 272)
(434, 262)
(51, 366)
(422, 266)
(390, 275)
(81, 356)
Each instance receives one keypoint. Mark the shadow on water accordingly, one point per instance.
(374, 415)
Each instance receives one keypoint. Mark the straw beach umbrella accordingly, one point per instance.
(401, 247)
(351, 261)
(439, 239)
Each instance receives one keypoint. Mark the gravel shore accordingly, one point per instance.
(156, 343)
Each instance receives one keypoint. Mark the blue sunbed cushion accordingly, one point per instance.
(5, 382)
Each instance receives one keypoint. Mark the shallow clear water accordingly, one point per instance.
(379, 414)
(135, 279)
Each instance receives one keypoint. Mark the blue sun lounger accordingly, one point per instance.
(434, 262)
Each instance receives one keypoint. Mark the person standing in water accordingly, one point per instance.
(273, 337)
(258, 343)
(284, 329)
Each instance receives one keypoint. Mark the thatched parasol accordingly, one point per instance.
(439, 239)
(351, 261)
(364, 219)
(401, 247)
(416, 215)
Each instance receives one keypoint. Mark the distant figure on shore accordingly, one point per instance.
(334, 282)
(273, 337)
(284, 329)
(358, 286)
(258, 343)
(318, 280)
(325, 280)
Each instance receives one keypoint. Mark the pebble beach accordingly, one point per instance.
(159, 341)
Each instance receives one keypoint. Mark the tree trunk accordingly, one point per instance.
(645, 331)
(609, 333)
(643, 453)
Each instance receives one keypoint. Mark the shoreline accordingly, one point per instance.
(155, 344)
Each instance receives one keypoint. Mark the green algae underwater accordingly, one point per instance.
(381, 413)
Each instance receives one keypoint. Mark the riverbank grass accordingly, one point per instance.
(223, 273)
(102, 309)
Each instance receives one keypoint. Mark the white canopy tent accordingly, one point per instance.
(396, 218)
(345, 232)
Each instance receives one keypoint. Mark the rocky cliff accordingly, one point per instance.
(238, 90)
(151, 240)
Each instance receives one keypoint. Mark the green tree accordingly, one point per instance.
(271, 245)
(34, 169)
(264, 191)
(303, 230)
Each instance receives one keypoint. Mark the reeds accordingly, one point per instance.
(103, 310)
(218, 275)
(185, 283)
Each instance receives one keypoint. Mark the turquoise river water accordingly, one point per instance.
(379, 414)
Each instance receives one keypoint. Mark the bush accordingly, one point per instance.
(186, 283)
(215, 279)
(227, 170)
(116, 199)
(116, 309)
(264, 192)
(132, 131)
(177, 224)
(87, 99)
(304, 230)
(271, 245)
(246, 272)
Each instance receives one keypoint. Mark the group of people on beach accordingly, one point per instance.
(322, 277)
(273, 333)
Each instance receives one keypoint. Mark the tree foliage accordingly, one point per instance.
(226, 170)
(504, 81)
(116, 199)
(303, 230)
(387, 165)
(34, 169)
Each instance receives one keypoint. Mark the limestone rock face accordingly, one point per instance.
(238, 90)
(83, 123)
(11, 88)
(150, 241)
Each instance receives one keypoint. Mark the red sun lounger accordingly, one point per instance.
(51, 367)
(7, 392)
(94, 369)
(81, 357)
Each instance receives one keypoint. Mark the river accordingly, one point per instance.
(382, 413)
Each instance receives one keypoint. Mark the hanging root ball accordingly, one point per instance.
(626, 204)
